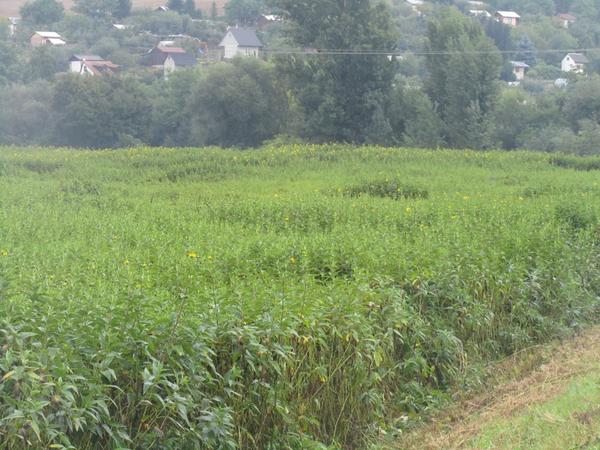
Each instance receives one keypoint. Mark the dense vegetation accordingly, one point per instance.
(447, 87)
(289, 297)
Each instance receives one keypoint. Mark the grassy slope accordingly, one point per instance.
(10, 8)
(557, 406)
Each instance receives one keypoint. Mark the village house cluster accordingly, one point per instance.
(572, 62)
(166, 56)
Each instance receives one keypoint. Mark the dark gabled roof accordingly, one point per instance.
(183, 59)
(86, 58)
(245, 38)
(579, 58)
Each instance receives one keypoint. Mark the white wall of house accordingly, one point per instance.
(568, 65)
(75, 66)
(519, 73)
(231, 49)
(169, 66)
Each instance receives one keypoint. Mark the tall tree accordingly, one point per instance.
(42, 12)
(103, 8)
(239, 104)
(175, 5)
(244, 12)
(340, 94)
(464, 67)
(526, 51)
(8, 63)
(189, 7)
(99, 112)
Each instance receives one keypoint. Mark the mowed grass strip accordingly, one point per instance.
(556, 404)
(287, 297)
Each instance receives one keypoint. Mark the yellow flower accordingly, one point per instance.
(209, 257)
(3, 252)
(408, 210)
(192, 254)
(293, 260)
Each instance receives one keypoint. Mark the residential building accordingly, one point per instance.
(509, 18)
(175, 61)
(13, 24)
(240, 42)
(268, 19)
(93, 65)
(574, 62)
(40, 38)
(168, 58)
(520, 68)
(566, 19)
(480, 13)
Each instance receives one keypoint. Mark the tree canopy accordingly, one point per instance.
(464, 67)
(42, 12)
(340, 95)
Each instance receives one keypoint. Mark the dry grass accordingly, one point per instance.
(11, 7)
(458, 426)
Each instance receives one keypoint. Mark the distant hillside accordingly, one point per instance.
(11, 7)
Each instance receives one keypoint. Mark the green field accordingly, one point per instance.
(288, 297)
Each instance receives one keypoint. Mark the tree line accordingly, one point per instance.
(320, 96)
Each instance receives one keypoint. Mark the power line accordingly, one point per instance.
(333, 52)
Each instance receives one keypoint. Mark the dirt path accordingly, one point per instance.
(558, 397)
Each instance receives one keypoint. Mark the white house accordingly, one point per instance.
(240, 42)
(93, 65)
(13, 24)
(176, 61)
(46, 38)
(574, 62)
(509, 18)
(479, 13)
(519, 69)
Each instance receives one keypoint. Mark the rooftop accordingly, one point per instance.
(579, 58)
(508, 14)
(86, 58)
(245, 38)
(183, 59)
(48, 34)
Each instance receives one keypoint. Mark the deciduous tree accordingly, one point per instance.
(239, 104)
(464, 66)
(42, 12)
(342, 88)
